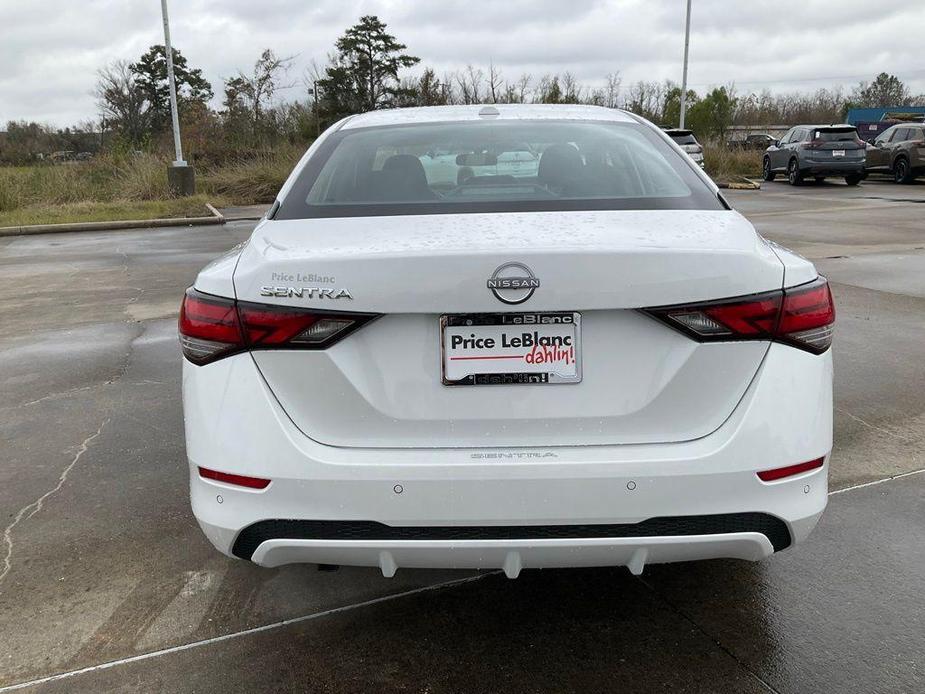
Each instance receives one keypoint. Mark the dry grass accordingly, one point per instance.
(106, 179)
(251, 181)
(105, 211)
(133, 187)
(105, 189)
(728, 164)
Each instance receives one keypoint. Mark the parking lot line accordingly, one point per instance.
(876, 482)
(817, 210)
(245, 632)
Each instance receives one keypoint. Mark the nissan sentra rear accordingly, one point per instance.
(421, 359)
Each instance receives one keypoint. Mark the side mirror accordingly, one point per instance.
(777, 143)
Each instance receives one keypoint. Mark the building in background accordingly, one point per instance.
(870, 122)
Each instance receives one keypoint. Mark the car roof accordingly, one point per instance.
(823, 126)
(436, 114)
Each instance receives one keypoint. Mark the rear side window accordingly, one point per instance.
(494, 166)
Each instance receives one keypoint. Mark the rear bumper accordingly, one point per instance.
(429, 501)
(514, 555)
(744, 536)
(832, 168)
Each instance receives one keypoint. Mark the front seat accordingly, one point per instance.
(403, 178)
(561, 169)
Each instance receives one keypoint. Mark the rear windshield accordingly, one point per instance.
(835, 134)
(683, 138)
(494, 166)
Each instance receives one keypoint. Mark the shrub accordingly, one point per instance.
(253, 180)
(723, 163)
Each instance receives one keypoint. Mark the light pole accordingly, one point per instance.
(314, 93)
(687, 41)
(180, 176)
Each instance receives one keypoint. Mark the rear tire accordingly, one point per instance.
(766, 172)
(794, 177)
(902, 172)
(853, 179)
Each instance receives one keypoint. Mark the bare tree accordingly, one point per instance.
(122, 102)
(523, 87)
(612, 90)
(571, 89)
(494, 83)
(469, 82)
(645, 99)
(254, 92)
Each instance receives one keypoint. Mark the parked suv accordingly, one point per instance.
(753, 141)
(685, 140)
(817, 151)
(900, 151)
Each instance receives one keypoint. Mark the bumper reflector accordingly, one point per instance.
(790, 470)
(238, 480)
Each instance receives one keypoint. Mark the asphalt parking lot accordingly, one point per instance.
(107, 584)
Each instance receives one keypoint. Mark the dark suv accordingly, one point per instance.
(817, 151)
(753, 141)
(900, 151)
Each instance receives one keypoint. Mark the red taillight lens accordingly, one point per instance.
(266, 325)
(752, 318)
(807, 318)
(791, 470)
(802, 316)
(212, 327)
(238, 480)
(209, 327)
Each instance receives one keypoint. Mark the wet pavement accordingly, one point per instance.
(107, 579)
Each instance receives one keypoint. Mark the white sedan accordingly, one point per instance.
(598, 364)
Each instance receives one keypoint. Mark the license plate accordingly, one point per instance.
(838, 152)
(511, 348)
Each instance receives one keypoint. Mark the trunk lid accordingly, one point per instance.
(642, 381)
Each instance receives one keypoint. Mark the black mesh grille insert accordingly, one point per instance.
(720, 524)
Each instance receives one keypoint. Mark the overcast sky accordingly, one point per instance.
(50, 49)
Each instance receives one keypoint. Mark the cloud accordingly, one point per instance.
(51, 50)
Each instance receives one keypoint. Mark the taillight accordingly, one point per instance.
(213, 327)
(803, 317)
(807, 317)
(209, 327)
(812, 144)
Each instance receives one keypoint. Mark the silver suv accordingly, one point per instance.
(817, 151)
(899, 150)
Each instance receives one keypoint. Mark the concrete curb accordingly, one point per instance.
(742, 184)
(214, 218)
